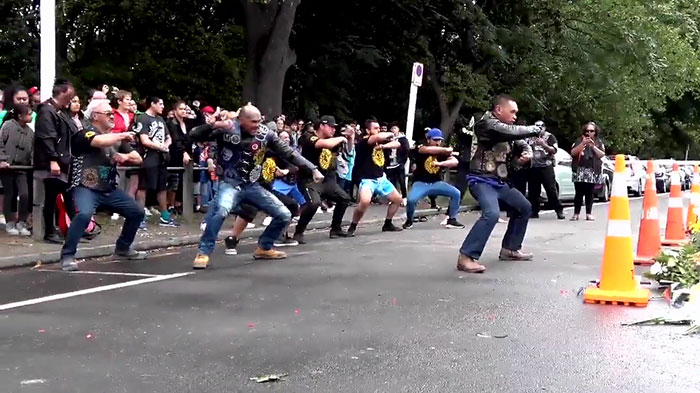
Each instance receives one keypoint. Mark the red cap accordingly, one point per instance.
(207, 109)
(32, 90)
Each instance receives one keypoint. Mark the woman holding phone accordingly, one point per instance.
(587, 152)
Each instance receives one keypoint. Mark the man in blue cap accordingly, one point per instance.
(431, 158)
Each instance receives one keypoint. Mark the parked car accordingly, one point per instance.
(603, 191)
(563, 176)
(636, 174)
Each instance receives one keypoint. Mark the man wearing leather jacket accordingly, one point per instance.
(241, 145)
(500, 146)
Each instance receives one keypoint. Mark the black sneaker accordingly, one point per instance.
(453, 223)
(299, 237)
(408, 224)
(68, 264)
(286, 242)
(336, 233)
(171, 223)
(560, 215)
(231, 244)
(390, 227)
(53, 238)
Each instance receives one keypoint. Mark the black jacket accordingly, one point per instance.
(181, 143)
(52, 137)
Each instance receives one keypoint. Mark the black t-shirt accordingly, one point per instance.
(540, 157)
(94, 167)
(369, 162)
(154, 127)
(426, 171)
(324, 159)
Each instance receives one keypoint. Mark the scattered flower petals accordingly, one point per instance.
(251, 325)
(42, 330)
(297, 311)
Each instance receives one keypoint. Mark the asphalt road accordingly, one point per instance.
(377, 313)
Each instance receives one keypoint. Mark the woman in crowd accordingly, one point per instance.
(180, 153)
(587, 152)
(16, 148)
(76, 112)
(14, 94)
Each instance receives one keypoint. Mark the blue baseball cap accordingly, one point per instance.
(435, 133)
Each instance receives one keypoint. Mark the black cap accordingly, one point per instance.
(330, 120)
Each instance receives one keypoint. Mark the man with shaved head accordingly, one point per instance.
(241, 144)
(96, 152)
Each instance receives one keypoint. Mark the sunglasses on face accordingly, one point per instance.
(110, 113)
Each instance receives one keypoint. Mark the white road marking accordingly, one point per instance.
(110, 287)
(103, 273)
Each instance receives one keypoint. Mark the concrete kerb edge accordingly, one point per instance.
(107, 250)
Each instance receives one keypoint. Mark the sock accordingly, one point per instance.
(387, 222)
(165, 214)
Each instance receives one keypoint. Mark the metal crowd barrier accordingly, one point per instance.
(38, 193)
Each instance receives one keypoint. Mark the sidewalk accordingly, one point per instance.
(18, 251)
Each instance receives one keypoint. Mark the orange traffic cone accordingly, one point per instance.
(675, 231)
(694, 207)
(617, 284)
(649, 243)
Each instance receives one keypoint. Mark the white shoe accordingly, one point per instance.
(2, 220)
(22, 229)
(250, 226)
(11, 230)
(115, 216)
(330, 209)
(147, 212)
(404, 202)
(203, 226)
(444, 222)
(267, 221)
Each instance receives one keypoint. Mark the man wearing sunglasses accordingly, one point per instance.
(96, 152)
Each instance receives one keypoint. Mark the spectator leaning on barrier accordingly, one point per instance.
(155, 139)
(52, 154)
(15, 94)
(16, 144)
(96, 152)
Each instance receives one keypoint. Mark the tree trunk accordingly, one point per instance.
(448, 116)
(267, 29)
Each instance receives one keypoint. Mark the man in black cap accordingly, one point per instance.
(321, 149)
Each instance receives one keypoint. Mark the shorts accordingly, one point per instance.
(381, 186)
(174, 181)
(153, 179)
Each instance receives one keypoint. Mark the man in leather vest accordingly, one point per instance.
(96, 153)
(240, 148)
(500, 145)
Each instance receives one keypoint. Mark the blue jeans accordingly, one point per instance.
(229, 198)
(488, 197)
(420, 190)
(87, 201)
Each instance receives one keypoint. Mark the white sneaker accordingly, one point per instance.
(203, 226)
(267, 221)
(250, 226)
(22, 229)
(2, 220)
(147, 212)
(115, 216)
(11, 230)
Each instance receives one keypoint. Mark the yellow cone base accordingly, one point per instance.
(638, 297)
(644, 261)
(669, 242)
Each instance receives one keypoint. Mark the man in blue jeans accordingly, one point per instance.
(500, 145)
(431, 158)
(96, 153)
(240, 152)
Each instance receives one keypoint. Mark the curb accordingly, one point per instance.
(107, 250)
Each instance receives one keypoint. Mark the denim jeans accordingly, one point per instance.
(488, 197)
(229, 197)
(87, 201)
(420, 190)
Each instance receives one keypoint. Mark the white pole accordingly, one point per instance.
(416, 81)
(47, 13)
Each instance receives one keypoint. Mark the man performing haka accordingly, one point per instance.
(369, 170)
(321, 149)
(431, 158)
(241, 146)
(500, 144)
(96, 152)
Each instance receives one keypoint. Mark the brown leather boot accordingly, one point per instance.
(468, 265)
(268, 254)
(201, 261)
(510, 255)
